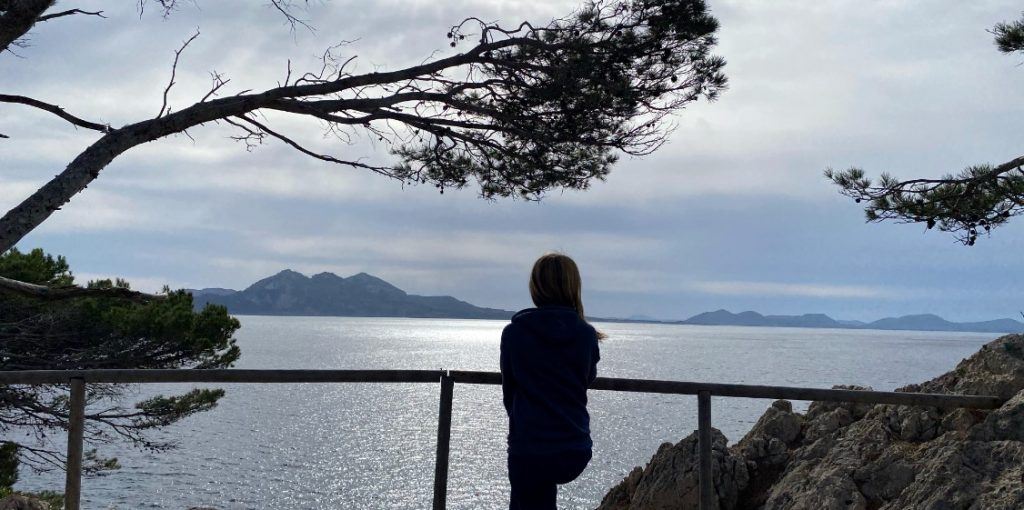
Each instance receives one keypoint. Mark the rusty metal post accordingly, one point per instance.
(76, 429)
(444, 436)
(707, 487)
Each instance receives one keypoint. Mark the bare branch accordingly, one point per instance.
(218, 81)
(383, 170)
(164, 108)
(56, 110)
(166, 5)
(69, 12)
(284, 7)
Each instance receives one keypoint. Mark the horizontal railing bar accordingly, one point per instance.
(772, 392)
(227, 375)
(470, 377)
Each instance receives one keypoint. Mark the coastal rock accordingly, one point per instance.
(669, 481)
(859, 457)
(1003, 424)
(767, 449)
(20, 502)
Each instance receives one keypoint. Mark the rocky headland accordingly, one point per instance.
(839, 456)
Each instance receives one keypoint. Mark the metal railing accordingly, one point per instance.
(77, 380)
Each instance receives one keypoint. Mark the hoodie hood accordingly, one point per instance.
(548, 359)
(555, 324)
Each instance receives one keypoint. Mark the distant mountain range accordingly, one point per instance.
(924, 322)
(362, 295)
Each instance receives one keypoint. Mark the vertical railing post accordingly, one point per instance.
(444, 436)
(76, 429)
(704, 446)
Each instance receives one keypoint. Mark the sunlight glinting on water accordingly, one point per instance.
(319, 446)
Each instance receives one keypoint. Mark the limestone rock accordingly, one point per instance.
(767, 449)
(841, 456)
(670, 482)
(1003, 424)
(20, 502)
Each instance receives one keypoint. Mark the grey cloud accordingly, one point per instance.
(737, 195)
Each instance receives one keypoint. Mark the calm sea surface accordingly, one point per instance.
(318, 446)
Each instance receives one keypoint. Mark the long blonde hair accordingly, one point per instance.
(555, 281)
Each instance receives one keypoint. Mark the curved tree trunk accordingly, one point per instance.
(27, 215)
(35, 209)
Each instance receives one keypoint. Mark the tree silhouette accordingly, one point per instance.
(971, 202)
(99, 332)
(519, 110)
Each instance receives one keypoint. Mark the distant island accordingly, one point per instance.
(923, 322)
(364, 295)
(361, 295)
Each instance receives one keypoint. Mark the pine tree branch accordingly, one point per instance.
(69, 12)
(60, 293)
(56, 110)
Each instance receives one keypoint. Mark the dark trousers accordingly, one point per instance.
(535, 478)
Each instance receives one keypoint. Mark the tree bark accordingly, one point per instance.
(19, 17)
(71, 291)
(35, 209)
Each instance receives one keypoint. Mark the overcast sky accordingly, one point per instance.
(733, 213)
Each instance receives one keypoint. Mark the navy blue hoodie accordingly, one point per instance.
(548, 358)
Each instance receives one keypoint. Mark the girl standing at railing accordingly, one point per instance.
(549, 357)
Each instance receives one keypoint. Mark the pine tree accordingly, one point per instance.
(968, 204)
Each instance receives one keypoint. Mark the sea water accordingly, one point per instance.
(320, 446)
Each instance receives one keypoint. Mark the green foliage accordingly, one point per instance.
(35, 267)
(52, 498)
(118, 283)
(103, 332)
(157, 410)
(1010, 36)
(968, 204)
(561, 99)
(92, 462)
(8, 466)
(164, 333)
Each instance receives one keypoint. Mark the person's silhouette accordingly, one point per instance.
(549, 357)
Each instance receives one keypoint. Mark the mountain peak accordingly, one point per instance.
(930, 316)
(373, 285)
(326, 275)
(363, 276)
(285, 278)
(361, 295)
